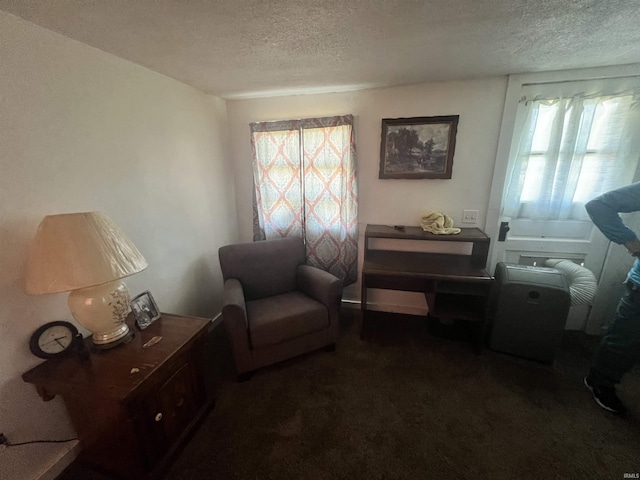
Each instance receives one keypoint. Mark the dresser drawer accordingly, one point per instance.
(168, 410)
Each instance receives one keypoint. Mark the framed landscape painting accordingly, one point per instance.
(420, 147)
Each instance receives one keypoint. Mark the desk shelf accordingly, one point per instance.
(458, 307)
(438, 265)
(456, 286)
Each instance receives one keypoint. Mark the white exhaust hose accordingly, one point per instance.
(582, 282)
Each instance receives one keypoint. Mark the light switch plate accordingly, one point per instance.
(470, 216)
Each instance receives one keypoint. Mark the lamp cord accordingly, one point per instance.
(10, 444)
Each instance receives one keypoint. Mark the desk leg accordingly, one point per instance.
(479, 339)
(482, 333)
(363, 308)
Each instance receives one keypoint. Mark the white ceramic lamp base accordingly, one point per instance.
(102, 310)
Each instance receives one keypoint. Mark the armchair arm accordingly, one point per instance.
(234, 310)
(321, 286)
(234, 314)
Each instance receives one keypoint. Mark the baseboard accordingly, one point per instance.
(41, 461)
(62, 462)
(216, 320)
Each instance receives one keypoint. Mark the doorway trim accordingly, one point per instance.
(507, 126)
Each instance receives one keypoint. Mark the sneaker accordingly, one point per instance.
(606, 398)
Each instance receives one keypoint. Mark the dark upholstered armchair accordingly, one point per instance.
(275, 307)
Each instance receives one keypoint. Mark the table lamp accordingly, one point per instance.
(86, 254)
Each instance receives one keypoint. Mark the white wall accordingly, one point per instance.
(83, 130)
(479, 104)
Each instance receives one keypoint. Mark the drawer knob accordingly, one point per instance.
(158, 417)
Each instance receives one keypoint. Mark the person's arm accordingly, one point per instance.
(604, 211)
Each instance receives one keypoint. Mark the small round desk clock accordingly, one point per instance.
(53, 339)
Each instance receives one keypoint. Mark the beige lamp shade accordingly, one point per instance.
(79, 250)
(87, 254)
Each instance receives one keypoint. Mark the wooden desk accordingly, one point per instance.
(133, 406)
(456, 286)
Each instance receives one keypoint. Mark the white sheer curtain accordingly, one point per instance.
(573, 147)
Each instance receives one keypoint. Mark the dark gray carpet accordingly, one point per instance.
(404, 404)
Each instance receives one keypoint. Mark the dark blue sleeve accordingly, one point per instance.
(604, 211)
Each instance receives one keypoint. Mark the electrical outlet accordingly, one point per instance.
(470, 216)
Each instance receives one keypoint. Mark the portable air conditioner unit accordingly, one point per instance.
(531, 305)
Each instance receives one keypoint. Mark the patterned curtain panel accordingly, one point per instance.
(305, 185)
(277, 178)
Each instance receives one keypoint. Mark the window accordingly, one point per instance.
(304, 175)
(572, 147)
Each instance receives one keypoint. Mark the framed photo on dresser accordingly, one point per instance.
(145, 309)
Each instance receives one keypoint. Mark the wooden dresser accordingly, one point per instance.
(455, 285)
(133, 406)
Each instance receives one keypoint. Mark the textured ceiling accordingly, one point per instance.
(244, 48)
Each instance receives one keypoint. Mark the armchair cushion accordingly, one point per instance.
(264, 268)
(284, 317)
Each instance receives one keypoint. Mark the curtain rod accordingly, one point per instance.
(551, 82)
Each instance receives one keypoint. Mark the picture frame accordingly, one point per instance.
(419, 147)
(144, 309)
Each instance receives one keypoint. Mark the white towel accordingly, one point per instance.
(438, 223)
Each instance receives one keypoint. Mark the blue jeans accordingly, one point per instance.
(620, 347)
